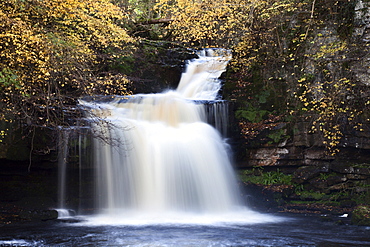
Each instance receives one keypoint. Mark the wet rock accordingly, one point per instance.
(347, 203)
(304, 138)
(361, 190)
(348, 169)
(37, 215)
(356, 177)
(339, 187)
(336, 179)
(361, 216)
(318, 183)
(268, 153)
(317, 154)
(258, 197)
(305, 173)
(363, 170)
(287, 156)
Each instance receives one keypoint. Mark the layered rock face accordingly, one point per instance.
(317, 176)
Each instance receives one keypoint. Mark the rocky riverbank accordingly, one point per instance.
(326, 187)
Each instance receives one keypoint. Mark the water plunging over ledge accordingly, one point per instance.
(157, 158)
(126, 219)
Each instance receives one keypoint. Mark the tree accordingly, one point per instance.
(272, 44)
(53, 51)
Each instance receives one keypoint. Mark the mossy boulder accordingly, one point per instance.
(361, 215)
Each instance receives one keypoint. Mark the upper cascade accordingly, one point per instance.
(201, 80)
(199, 83)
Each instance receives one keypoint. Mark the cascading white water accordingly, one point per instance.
(62, 166)
(201, 80)
(156, 156)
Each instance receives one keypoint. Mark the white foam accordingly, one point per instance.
(242, 216)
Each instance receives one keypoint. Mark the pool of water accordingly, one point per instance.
(292, 231)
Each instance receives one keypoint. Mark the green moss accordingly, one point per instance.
(318, 202)
(361, 165)
(300, 202)
(124, 64)
(257, 176)
(252, 114)
(327, 175)
(361, 216)
(362, 197)
(277, 136)
(313, 195)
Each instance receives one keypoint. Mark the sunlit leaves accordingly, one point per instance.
(331, 104)
(297, 45)
(208, 23)
(52, 51)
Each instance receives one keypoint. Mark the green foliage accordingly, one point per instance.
(8, 78)
(324, 176)
(361, 215)
(123, 64)
(258, 176)
(362, 198)
(277, 135)
(361, 165)
(313, 195)
(251, 114)
(263, 96)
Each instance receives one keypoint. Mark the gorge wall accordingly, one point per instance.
(285, 147)
(317, 180)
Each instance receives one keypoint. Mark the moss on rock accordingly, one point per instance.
(361, 215)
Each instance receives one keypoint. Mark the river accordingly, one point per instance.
(294, 230)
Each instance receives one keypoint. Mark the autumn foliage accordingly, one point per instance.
(53, 51)
(284, 66)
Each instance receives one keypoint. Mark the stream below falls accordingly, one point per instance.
(293, 231)
(166, 179)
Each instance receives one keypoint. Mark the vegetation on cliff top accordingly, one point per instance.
(287, 61)
(52, 52)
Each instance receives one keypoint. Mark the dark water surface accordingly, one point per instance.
(295, 231)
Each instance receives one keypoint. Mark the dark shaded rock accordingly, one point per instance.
(318, 183)
(341, 168)
(274, 156)
(267, 156)
(339, 187)
(347, 204)
(302, 136)
(308, 172)
(317, 154)
(336, 179)
(356, 177)
(37, 215)
(157, 66)
(363, 170)
(36, 202)
(258, 198)
(348, 169)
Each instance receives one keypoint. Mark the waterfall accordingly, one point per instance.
(62, 165)
(163, 154)
(71, 155)
(201, 79)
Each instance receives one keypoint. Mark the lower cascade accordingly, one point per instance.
(158, 159)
